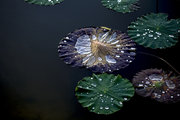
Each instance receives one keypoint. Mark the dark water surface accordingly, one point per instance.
(36, 85)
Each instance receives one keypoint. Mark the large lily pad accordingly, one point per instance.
(104, 93)
(100, 49)
(44, 2)
(155, 31)
(123, 6)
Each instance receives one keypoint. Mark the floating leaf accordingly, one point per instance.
(155, 31)
(104, 93)
(178, 22)
(99, 49)
(158, 84)
(123, 6)
(44, 2)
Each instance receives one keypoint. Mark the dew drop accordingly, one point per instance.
(99, 58)
(150, 35)
(147, 82)
(122, 51)
(117, 56)
(118, 45)
(67, 38)
(140, 85)
(138, 35)
(133, 48)
(125, 98)
(171, 36)
(158, 33)
(145, 33)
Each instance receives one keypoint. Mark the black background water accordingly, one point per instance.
(36, 85)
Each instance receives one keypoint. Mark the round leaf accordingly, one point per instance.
(123, 6)
(99, 49)
(104, 93)
(158, 84)
(154, 31)
(44, 2)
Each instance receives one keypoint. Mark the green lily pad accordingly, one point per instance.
(104, 93)
(44, 2)
(123, 6)
(155, 31)
(178, 22)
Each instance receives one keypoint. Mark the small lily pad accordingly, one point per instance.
(123, 6)
(44, 2)
(158, 84)
(155, 31)
(104, 93)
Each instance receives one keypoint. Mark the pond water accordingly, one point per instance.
(36, 85)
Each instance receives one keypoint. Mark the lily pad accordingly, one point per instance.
(158, 84)
(123, 6)
(178, 22)
(104, 93)
(44, 2)
(155, 31)
(100, 49)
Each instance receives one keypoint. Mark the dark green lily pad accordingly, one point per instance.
(104, 93)
(123, 6)
(178, 22)
(44, 2)
(155, 31)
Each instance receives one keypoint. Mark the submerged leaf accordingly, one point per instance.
(44, 2)
(104, 93)
(99, 49)
(123, 6)
(158, 84)
(155, 31)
